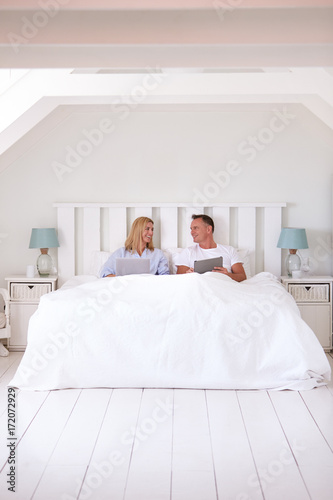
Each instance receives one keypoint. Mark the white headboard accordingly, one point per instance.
(87, 227)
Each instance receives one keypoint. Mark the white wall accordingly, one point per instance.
(162, 155)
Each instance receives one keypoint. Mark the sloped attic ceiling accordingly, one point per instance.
(95, 52)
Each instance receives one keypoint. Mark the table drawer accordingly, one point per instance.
(29, 292)
(310, 292)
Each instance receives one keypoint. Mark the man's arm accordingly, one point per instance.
(184, 269)
(182, 260)
(237, 274)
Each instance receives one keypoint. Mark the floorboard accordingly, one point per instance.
(163, 444)
(153, 432)
(27, 407)
(109, 465)
(319, 403)
(75, 444)
(193, 474)
(8, 366)
(35, 447)
(229, 443)
(309, 446)
(276, 465)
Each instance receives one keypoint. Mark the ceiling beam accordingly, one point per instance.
(168, 56)
(160, 4)
(216, 26)
(225, 35)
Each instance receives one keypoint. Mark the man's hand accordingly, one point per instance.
(237, 274)
(222, 270)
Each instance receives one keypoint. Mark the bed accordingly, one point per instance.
(191, 331)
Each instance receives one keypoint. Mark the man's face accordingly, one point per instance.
(199, 230)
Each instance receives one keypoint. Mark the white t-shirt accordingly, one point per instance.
(195, 252)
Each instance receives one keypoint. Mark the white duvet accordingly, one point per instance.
(186, 331)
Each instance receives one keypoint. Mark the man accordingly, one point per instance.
(202, 229)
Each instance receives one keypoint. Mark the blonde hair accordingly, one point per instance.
(133, 241)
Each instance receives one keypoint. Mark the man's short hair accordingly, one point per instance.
(205, 218)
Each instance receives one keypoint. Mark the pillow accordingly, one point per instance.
(170, 254)
(244, 255)
(98, 259)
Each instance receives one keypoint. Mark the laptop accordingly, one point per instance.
(206, 265)
(125, 266)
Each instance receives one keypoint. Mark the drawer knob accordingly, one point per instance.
(31, 286)
(307, 288)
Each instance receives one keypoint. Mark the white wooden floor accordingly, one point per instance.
(168, 444)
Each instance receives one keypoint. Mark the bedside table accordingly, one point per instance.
(313, 295)
(24, 295)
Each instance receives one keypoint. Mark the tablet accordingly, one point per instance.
(125, 266)
(206, 265)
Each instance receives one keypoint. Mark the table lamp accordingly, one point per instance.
(44, 239)
(293, 238)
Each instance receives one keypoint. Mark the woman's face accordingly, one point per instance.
(147, 233)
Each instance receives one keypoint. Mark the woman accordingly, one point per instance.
(139, 244)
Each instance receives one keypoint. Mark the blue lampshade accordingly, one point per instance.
(43, 238)
(293, 237)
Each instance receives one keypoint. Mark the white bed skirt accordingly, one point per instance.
(185, 331)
